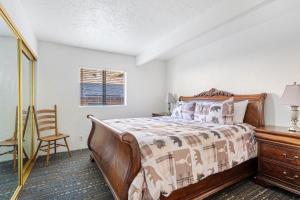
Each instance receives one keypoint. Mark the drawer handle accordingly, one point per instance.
(293, 158)
(292, 178)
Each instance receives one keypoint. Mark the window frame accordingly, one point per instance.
(105, 69)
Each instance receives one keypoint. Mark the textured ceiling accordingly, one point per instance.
(123, 26)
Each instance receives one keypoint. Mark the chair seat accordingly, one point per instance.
(11, 142)
(53, 137)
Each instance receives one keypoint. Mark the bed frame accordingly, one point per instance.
(118, 157)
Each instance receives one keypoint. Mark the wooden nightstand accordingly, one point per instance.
(160, 114)
(279, 158)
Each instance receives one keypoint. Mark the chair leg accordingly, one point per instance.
(48, 155)
(55, 146)
(15, 158)
(25, 153)
(67, 146)
(37, 150)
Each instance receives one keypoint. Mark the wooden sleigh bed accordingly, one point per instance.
(118, 157)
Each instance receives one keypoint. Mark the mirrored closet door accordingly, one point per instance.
(8, 111)
(17, 133)
(27, 97)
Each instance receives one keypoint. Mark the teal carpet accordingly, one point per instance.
(8, 180)
(77, 178)
(66, 178)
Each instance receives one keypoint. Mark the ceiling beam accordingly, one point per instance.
(224, 19)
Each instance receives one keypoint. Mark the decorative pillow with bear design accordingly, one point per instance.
(215, 112)
(176, 113)
(184, 110)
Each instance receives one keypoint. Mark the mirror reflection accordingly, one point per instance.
(8, 111)
(27, 118)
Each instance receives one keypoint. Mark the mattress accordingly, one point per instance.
(176, 153)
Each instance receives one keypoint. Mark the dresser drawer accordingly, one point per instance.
(280, 153)
(283, 173)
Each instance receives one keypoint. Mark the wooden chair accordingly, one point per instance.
(13, 141)
(46, 120)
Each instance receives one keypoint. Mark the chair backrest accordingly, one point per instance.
(25, 115)
(16, 124)
(45, 120)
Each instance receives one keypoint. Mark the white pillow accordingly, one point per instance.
(239, 111)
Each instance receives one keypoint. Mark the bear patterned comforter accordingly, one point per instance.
(176, 153)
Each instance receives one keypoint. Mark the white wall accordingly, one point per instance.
(18, 15)
(263, 58)
(58, 83)
(8, 90)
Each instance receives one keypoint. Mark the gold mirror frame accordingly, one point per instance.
(29, 164)
(23, 48)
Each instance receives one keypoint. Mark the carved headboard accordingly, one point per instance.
(255, 110)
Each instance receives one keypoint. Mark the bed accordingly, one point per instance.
(117, 152)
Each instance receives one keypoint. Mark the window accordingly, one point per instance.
(101, 87)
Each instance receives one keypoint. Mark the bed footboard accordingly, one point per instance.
(116, 154)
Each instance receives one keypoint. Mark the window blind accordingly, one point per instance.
(101, 87)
